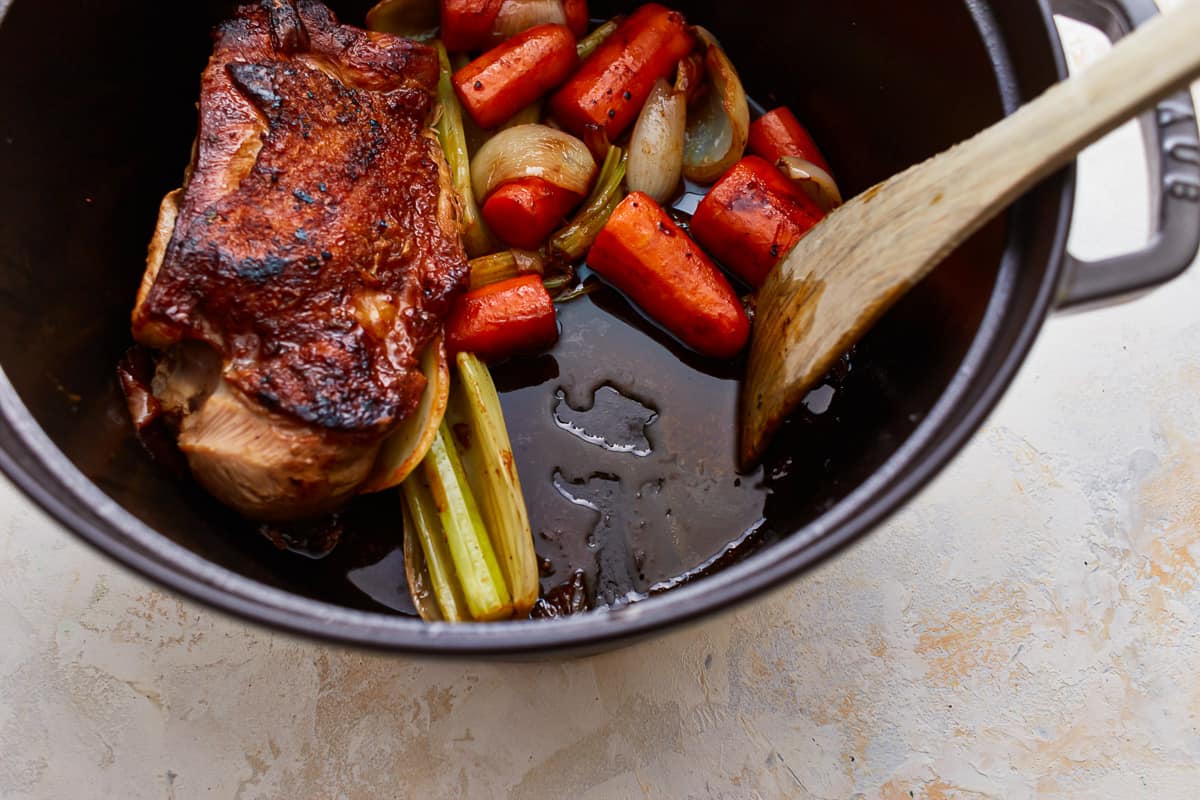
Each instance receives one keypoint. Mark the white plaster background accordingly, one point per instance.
(1027, 627)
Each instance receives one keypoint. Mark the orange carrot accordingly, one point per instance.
(466, 23)
(502, 319)
(577, 17)
(523, 213)
(612, 85)
(752, 218)
(512, 75)
(778, 133)
(647, 256)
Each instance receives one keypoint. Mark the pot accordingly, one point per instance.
(618, 432)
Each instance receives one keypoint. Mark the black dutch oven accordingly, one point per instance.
(625, 443)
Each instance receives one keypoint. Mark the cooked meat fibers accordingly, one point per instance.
(314, 250)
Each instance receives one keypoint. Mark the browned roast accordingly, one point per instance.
(307, 262)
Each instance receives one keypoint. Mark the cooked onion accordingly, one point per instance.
(404, 448)
(532, 151)
(520, 15)
(689, 77)
(413, 19)
(813, 181)
(656, 149)
(719, 125)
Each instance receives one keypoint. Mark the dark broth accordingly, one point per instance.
(626, 446)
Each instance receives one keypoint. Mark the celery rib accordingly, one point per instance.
(471, 549)
(476, 237)
(572, 242)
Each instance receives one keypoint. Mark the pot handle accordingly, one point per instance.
(1173, 152)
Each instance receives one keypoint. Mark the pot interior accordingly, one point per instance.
(624, 441)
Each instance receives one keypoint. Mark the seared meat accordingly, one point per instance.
(314, 250)
(265, 465)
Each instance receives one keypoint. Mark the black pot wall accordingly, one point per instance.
(97, 112)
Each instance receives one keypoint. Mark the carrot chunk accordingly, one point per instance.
(503, 319)
(644, 254)
(466, 23)
(513, 74)
(778, 133)
(523, 213)
(577, 17)
(611, 86)
(752, 217)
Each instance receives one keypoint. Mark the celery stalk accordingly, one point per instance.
(471, 550)
(588, 44)
(476, 237)
(488, 459)
(572, 242)
(502, 266)
(429, 563)
(476, 136)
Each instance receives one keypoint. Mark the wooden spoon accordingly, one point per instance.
(851, 268)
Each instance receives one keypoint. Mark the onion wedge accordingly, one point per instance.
(532, 151)
(403, 450)
(689, 77)
(815, 182)
(656, 148)
(719, 125)
(517, 16)
(412, 19)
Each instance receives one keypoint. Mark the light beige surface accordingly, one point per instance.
(1027, 627)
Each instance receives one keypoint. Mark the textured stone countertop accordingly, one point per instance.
(1027, 627)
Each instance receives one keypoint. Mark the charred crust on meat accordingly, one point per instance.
(288, 34)
(315, 183)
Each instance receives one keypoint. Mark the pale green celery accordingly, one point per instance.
(431, 559)
(558, 281)
(479, 573)
(476, 136)
(588, 44)
(501, 266)
(572, 242)
(487, 457)
(476, 237)
(582, 291)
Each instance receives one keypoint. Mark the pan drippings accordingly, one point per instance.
(625, 444)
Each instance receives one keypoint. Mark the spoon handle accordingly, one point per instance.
(990, 171)
(850, 269)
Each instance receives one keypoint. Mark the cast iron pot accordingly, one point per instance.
(96, 115)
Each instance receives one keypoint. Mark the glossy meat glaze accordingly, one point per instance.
(314, 247)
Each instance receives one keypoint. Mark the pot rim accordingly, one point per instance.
(37, 467)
